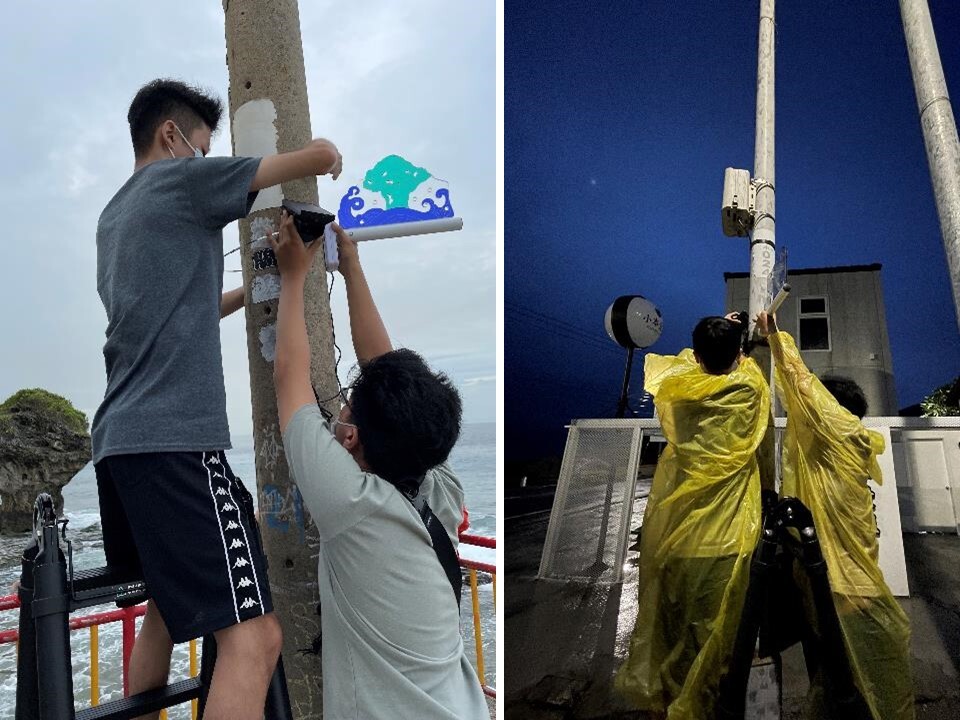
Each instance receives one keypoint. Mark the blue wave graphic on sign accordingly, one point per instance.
(352, 214)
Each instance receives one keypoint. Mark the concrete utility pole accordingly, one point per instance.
(939, 130)
(763, 239)
(269, 113)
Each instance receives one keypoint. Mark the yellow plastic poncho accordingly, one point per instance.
(827, 457)
(701, 525)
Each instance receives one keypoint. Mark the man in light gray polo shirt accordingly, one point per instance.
(391, 634)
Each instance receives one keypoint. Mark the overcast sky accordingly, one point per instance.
(414, 80)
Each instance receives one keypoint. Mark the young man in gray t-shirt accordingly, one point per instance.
(171, 509)
(391, 633)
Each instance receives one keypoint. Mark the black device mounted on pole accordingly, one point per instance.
(310, 220)
(49, 591)
(789, 534)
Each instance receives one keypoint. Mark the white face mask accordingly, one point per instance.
(335, 422)
(196, 151)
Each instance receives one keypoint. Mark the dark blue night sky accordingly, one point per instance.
(619, 121)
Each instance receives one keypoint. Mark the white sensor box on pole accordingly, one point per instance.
(737, 212)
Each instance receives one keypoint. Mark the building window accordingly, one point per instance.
(814, 324)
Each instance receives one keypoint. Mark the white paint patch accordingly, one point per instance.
(265, 287)
(270, 450)
(255, 135)
(261, 227)
(268, 342)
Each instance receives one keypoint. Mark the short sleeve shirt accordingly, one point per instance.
(160, 277)
(391, 633)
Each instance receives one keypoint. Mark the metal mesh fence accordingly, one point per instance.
(590, 520)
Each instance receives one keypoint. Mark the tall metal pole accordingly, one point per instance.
(269, 113)
(763, 239)
(939, 130)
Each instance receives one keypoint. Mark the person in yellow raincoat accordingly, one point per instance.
(827, 457)
(701, 524)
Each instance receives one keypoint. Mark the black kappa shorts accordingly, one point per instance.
(184, 523)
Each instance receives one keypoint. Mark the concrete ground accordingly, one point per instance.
(564, 641)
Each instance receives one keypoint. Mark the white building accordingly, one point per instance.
(837, 317)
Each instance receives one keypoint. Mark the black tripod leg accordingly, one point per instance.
(842, 695)
(731, 703)
(28, 696)
(843, 699)
(207, 662)
(50, 615)
(278, 699)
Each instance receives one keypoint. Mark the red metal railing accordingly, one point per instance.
(473, 567)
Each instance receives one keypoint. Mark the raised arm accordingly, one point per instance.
(790, 368)
(230, 302)
(291, 365)
(805, 397)
(318, 157)
(370, 338)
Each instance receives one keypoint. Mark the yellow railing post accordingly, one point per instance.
(493, 579)
(94, 665)
(193, 673)
(477, 636)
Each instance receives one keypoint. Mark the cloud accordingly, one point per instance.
(479, 380)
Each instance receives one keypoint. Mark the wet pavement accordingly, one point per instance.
(564, 641)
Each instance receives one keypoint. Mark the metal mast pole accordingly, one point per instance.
(939, 130)
(762, 240)
(269, 113)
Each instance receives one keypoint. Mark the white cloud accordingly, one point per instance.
(479, 380)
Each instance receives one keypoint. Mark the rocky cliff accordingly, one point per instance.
(44, 442)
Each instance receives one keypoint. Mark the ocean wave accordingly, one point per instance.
(110, 647)
(83, 520)
(352, 214)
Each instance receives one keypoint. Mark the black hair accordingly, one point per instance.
(162, 100)
(847, 393)
(407, 415)
(716, 341)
